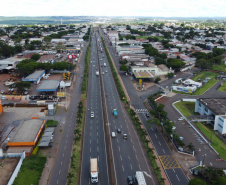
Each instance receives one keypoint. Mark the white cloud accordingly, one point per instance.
(179, 8)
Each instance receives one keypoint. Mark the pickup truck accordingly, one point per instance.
(115, 113)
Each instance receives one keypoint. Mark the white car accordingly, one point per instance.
(92, 114)
(181, 138)
(181, 118)
(113, 134)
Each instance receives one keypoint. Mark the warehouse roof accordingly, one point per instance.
(27, 131)
(35, 75)
(48, 85)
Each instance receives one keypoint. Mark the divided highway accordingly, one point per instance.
(170, 164)
(128, 155)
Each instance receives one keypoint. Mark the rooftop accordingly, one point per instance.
(48, 84)
(216, 105)
(144, 74)
(27, 131)
(35, 75)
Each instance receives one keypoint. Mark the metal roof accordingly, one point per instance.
(144, 74)
(46, 137)
(35, 75)
(48, 85)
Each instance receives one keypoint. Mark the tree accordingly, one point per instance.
(191, 147)
(196, 181)
(22, 85)
(36, 56)
(60, 46)
(176, 64)
(157, 79)
(123, 67)
(159, 61)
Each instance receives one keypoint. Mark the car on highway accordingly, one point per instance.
(103, 73)
(113, 134)
(106, 71)
(181, 138)
(147, 115)
(130, 180)
(181, 118)
(125, 136)
(119, 130)
(92, 114)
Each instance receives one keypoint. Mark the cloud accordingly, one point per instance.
(179, 8)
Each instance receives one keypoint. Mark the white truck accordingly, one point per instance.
(93, 170)
(97, 73)
(139, 176)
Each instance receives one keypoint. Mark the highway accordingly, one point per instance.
(174, 171)
(129, 155)
(94, 137)
(63, 156)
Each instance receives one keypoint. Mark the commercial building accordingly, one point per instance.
(9, 63)
(34, 77)
(215, 107)
(48, 87)
(26, 136)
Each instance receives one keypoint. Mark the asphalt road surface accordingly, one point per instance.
(94, 138)
(129, 155)
(174, 172)
(61, 167)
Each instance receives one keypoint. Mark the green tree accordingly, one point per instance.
(196, 181)
(22, 85)
(158, 79)
(36, 56)
(159, 61)
(176, 64)
(123, 67)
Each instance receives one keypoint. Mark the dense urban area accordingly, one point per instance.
(112, 101)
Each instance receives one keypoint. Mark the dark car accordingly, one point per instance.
(119, 130)
(130, 180)
(147, 114)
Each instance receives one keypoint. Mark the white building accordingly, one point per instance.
(213, 107)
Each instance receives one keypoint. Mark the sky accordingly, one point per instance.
(152, 8)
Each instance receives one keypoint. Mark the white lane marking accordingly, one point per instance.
(131, 167)
(178, 178)
(159, 143)
(122, 168)
(155, 135)
(57, 181)
(163, 151)
(59, 172)
(119, 149)
(211, 164)
(121, 157)
(173, 170)
(129, 157)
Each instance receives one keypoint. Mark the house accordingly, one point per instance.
(215, 107)
(9, 63)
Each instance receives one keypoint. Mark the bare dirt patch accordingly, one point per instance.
(7, 166)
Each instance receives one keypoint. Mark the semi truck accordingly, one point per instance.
(139, 176)
(93, 170)
(97, 73)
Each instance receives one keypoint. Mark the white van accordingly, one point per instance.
(113, 134)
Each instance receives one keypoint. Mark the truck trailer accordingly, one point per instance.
(93, 170)
(139, 176)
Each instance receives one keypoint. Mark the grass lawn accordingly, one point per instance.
(202, 77)
(220, 67)
(51, 123)
(30, 171)
(223, 87)
(186, 108)
(205, 87)
(217, 144)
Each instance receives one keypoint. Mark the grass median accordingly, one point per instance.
(223, 87)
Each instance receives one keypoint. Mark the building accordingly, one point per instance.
(215, 107)
(48, 87)
(35, 77)
(9, 63)
(149, 72)
(26, 136)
